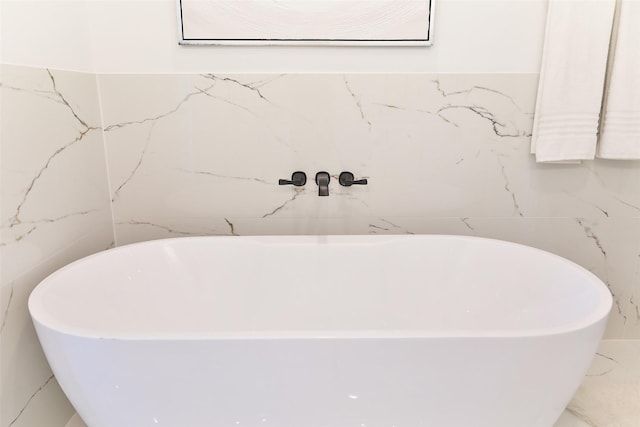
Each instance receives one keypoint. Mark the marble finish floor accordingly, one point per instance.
(608, 397)
(610, 393)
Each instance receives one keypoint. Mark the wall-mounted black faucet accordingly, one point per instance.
(297, 178)
(346, 179)
(322, 179)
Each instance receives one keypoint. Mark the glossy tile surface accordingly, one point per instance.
(610, 393)
(55, 209)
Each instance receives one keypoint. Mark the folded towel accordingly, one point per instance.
(572, 80)
(620, 137)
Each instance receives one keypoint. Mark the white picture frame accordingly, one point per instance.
(306, 22)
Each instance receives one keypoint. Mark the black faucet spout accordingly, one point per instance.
(322, 179)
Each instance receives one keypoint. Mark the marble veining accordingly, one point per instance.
(14, 220)
(593, 237)
(507, 188)
(242, 178)
(357, 101)
(231, 227)
(611, 389)
(136, 167)
(7, 306)
(169, 229)
(35, 393)
(297, 192)
(186, 98)
(603, 370)
(590, 235)
(387, 226)
(55, 209)
(465, 221)
(253, 86)
(466, 99)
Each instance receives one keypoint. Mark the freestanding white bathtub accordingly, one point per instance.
(338, 331)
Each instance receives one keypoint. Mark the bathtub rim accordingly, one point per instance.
(328, 335)
(601, 312)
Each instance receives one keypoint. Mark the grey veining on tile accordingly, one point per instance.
(135, 168)
(610, 393)
(507, 187)
(252, 86)
(55, 209)
(153, 119)
(356, 99)
(312, 114)
(65, 133)
(7, 299)
(297, 192)
(603, 365)
(473, 100)
(486, 103)
(33, 395)
(56, 96)
(467, 224)
(241, 178)
(382, 225)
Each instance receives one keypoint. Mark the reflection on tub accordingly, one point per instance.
(333, 331)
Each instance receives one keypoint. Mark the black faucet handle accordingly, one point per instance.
(346, 179)
(297, 178)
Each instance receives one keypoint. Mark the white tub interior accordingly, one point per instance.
(320, 287)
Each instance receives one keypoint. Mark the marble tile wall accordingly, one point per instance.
(202, 154)
(55, 209)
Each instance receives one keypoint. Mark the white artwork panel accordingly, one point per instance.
(351, 22)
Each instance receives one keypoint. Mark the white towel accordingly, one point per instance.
(620, 137)
(572, 78)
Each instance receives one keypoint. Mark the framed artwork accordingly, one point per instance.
(319, 22)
